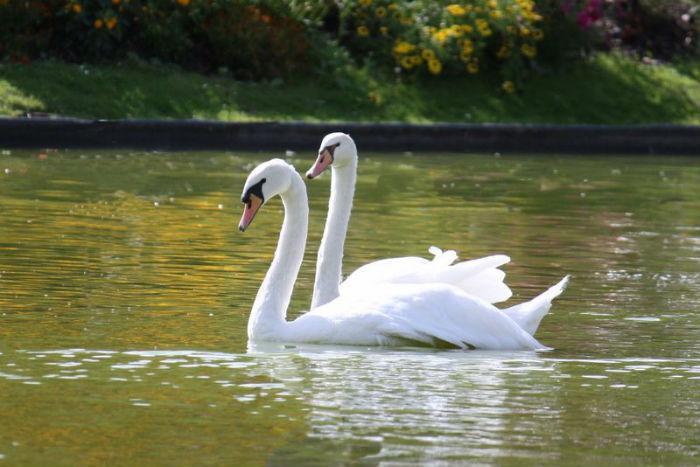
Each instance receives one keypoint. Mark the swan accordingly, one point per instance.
(480, 277)
(394, 314)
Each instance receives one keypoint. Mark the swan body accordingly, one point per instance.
(429, 314)
(387, 314)
(481, 277)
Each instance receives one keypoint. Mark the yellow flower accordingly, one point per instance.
(473, 67)
(375, 97)
(483, 27)
(406, 62)
(434, 66)
(456, 10)
(524, 31)
(503, 52)
(362, 31)
(537, 34)
(384, 30)
(427, 54)
(416, 60)
(467, 29)
(77, 8)
(402, 47)
(380, 12)
(393, 6)
(508, 87)
(441, 36)
(111, 23)
(526, 5)
(365, 3)
(496, 14)
(455, 30)
(98, 23)
(493, 4)
(528, 50)
(467, 47)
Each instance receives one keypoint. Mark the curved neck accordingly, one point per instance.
(268, 316)
(329, 262)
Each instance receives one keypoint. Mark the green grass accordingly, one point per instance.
(607, 89)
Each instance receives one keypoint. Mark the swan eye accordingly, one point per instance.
(331, 149)
(254, 190)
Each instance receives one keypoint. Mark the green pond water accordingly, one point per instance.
(125, 290)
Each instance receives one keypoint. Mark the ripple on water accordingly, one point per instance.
(99, 271)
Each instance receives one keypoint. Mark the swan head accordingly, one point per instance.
(267, 180)
(337, 149)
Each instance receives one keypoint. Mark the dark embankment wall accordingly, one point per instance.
(205, 135)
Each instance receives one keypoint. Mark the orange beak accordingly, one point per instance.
(249, 212)
(324, 160)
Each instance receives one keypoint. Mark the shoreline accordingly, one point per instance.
(180, 135)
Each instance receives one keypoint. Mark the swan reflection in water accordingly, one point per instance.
(413, 402)
(326, 402)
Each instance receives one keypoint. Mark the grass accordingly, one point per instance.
(607, 89)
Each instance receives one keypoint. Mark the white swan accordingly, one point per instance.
(480, 277)
(394, 314)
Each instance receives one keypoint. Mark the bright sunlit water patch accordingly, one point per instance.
(125, 291)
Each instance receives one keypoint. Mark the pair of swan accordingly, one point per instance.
(390, 302)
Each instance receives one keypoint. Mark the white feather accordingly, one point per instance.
(481, 277)
(431, 313)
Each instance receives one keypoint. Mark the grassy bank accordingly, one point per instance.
(604, 90)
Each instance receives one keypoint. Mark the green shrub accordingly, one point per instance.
(440, 37)
(250, 39)
(255, 40)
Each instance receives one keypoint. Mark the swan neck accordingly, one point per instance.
(268, 315)
(329, 262)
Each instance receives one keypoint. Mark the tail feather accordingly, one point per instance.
(488, 285)
(529, 314)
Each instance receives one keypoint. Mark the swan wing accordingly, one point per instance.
(388, 270)
(479, 277)
(423, 313)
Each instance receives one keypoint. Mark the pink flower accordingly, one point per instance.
(591, 13)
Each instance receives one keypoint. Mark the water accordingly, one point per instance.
(125, 291)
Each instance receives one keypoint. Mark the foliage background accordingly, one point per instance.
(506, 40)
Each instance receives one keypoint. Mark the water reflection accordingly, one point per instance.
(125, 292)
(356, 404)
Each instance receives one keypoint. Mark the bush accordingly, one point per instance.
(454, 38)
(26, 27)
(262, 39)
(651, 28)
(251, 39)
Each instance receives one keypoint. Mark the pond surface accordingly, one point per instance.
(125, 290)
